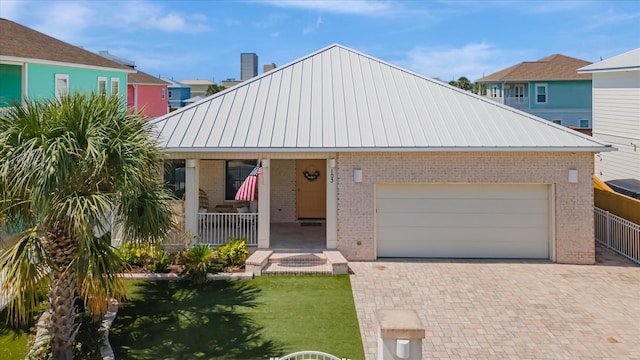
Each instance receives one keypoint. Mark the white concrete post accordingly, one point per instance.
(401, 334)
(264, 205)
(191, 195)
(332, 205)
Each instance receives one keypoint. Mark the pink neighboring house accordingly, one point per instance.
(147, 93)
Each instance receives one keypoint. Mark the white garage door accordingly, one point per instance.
(463, 220)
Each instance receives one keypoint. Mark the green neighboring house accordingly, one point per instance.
(34, 65)
(550, 88)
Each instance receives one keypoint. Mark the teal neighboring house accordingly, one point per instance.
(550, 88)
(34, 65)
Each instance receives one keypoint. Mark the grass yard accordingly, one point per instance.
(249, 319)
(13, 342)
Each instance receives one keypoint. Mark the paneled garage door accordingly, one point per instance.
(463, 220)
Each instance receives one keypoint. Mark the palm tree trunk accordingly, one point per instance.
(62, 294)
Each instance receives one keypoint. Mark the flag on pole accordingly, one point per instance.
(249, 187)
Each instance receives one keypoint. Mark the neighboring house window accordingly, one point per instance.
(236, 171)
(518, 93)
(541, 93)
(115, 86)
(61, 85)
(163, 94)
(559, 122)
(584, 123)
(495, 91)
(174, 179)
(170, 95)
(102, 86)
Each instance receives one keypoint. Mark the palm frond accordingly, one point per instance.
(23, 266)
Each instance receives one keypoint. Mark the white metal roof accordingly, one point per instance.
(338, 99)
(626, 61)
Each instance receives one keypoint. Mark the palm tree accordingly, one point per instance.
(69, 169)
(464, 83)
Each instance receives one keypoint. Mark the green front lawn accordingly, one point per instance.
(249, 319)
(13, 341)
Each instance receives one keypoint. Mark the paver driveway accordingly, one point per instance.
(498, 310)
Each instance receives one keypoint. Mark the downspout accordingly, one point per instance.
(135, 97)
(25, 83)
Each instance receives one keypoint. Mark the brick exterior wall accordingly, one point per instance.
(574, 239)
(212, 181)
(283, 191)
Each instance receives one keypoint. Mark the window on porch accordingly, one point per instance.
(235, 173)
(174, 179)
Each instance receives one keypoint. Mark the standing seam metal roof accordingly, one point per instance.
(625, 61)
(338, 99)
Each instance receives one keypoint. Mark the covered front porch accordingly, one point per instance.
(295, 209)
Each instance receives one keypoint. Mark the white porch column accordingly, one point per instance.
(264, 205)
(191, 194)
(332, 205)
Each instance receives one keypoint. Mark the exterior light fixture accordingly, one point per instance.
(357, 175)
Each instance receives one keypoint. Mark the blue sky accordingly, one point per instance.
(445, 39)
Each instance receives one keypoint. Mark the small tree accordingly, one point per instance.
(464, 83)
(214, 88)
(69, 168)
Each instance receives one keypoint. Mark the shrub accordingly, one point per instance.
(234, 253)
(89, 339)
(135, 254)
(159, 261)
(199, 260)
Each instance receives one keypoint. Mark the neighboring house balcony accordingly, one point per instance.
(517, 102)
(493, 98)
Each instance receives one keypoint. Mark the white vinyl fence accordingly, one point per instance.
(618, 234)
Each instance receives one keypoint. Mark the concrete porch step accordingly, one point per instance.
(293, 257)
(297, 268)
(268, 262)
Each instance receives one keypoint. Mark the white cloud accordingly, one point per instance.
(70, 22)
(74, 20)
(12, 9)
(232, 22)
(472, 60)
(270, 20)
(611, 17)
(275, 34)
(173, 22)
(314, 27)
(150, 15)
(362, 7)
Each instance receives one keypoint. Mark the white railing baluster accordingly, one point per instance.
(218, 228)
(617, 234)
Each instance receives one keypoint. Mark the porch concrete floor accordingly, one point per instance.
(295, 237)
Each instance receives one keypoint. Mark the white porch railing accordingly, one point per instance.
(517, 102)
(618, 234)
(217, 228)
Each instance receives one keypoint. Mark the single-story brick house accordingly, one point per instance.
(394, 164)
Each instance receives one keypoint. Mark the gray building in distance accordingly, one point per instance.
(248, 65)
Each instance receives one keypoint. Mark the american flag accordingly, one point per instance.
(249, 187)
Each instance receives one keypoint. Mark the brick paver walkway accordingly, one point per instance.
(507, 310)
